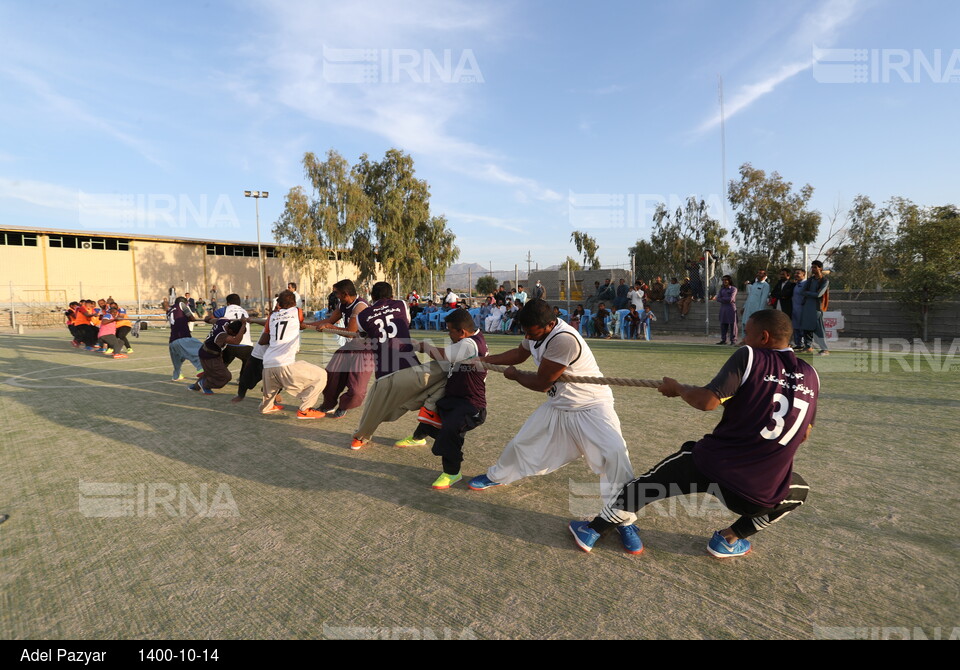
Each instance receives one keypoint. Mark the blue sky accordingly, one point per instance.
(153, 118)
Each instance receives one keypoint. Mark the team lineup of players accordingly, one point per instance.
(768, 395)
(100, 327)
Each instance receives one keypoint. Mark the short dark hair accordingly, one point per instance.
(346, 286)
(234, 327)
(536, 312)
(381, 290)
(775, 322)
(819, 264)
(233, 299)
(460, 319)
(292, 286)
(286, 299)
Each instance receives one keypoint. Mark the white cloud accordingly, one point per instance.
(412, 109)
(73, 111)
(40, 193)
(820, 26)
(511, 225)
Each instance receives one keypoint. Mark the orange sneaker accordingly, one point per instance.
(309, 414)
(356, 444)
(275, 408)
(428, 417)
(119, 355)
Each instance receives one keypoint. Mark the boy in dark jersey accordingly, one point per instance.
(463, 406)
(215, 372)
(770, 401)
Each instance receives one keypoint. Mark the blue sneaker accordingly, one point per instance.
(584, 535)
(200, 387)
(630, 537)
(481, 482)
(722, 549)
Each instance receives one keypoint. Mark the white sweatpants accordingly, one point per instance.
(302, 380)
(551, 438)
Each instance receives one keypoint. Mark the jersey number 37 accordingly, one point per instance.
(780, 414)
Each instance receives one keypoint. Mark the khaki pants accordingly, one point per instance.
(302, 380)
(404, 391)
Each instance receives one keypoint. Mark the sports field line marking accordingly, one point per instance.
(29, 376)
(57, 367)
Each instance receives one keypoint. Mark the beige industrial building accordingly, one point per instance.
(40, 267)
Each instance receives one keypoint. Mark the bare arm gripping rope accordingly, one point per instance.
(576, 379)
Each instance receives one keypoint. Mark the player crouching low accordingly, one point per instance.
(463, 406)
(769, 400)
(281, 369)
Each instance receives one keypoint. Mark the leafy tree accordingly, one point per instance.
(865, 258)
(574, 264)
(296, 228)
(587, 247)
(685, 233)
(340, 205)
(400, 234)
(437, 249)
(646, 258)
(379, 209)
(399, 207)
(771, 219)
(927, 254)
(487, 284)
(318, 228)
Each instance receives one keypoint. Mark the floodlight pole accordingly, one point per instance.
(257, 195)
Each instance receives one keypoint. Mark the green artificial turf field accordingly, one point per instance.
(141, 509)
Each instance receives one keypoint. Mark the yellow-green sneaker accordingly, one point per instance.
(445, 481)
(410, 442)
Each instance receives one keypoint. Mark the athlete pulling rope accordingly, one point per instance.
(576, 379)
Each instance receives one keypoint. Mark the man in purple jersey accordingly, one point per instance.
(769, 398)
(401, 383)
(387, 325)
(183, 347)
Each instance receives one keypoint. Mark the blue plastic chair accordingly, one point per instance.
(436, 319)
(624, 327)
(586, 323)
